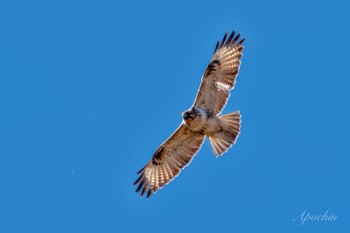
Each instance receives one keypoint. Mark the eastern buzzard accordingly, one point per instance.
(201, 120)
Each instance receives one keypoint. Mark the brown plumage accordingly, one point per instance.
(176, 152)
(220, 76)
(200, 120)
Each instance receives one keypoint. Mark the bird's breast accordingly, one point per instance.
(196, 124)
(213, 125)
(204, 124)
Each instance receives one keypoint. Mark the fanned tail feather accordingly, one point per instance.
(222, 141)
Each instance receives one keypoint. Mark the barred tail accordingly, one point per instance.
(222, 141)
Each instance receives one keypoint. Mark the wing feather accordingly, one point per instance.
(220, 75)
(180, 148)
(169, 159)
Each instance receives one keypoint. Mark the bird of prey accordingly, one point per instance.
(202, 120)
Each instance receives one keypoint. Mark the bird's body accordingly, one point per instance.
(202, 120)
(199, 120)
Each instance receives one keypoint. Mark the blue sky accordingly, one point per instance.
(89, 90)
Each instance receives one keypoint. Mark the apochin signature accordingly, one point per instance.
(307, 216)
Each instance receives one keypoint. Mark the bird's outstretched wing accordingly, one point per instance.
(219, 76)
(166, 163)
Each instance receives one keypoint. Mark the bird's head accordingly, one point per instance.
(189, 114)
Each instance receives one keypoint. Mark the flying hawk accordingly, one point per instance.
(201, 120)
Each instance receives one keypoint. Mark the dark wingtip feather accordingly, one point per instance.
(231, 37)
(141, 170)
(236, 39)
(140, 186)
(138, 180)
(149, 193)
(231, 40)
(217, 46)
(242, 41)
(223, 40)
(144, 190)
